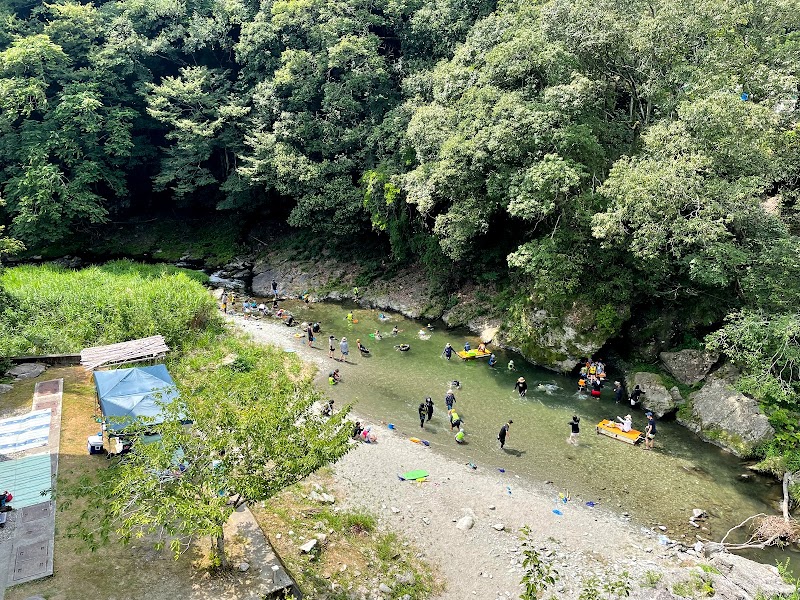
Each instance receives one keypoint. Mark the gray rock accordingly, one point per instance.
(26, 370)
(675, 394)
(698, 513)
(321, 498)
(406, 578)
(728, 418)
(656, 398)
(384, 589)
(308, 546)
(217, 280)
(465, 523)
(689, 366)
(243, 566)
(5, 388)
(743, 578)
(498, 526)
(67, 262)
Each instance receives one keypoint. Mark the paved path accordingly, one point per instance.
(266, 572)
(26, 542)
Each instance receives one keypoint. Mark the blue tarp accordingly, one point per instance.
(126, 394)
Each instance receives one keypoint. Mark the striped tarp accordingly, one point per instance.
(26, 431)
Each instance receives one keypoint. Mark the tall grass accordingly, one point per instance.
(51, 310)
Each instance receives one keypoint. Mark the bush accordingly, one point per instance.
(52, 310)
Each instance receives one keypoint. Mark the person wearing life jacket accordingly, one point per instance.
(592, 369)
(581, 385)
(349, 317)
(492, 360)
(455, 420)
(460, 436)
(467, 347)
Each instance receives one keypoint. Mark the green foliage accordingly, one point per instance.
(539, 575)
(253, 432)
(696, 586)
(652, 579)
(52, 310)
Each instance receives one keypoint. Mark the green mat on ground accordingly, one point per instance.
(26, 478)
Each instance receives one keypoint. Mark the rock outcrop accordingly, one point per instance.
(724, 416)
(26, 371)
(556, 343)
(742, 578)
(689, 366)
(657, 398)
(234, 276)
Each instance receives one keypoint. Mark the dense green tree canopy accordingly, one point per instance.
(631, 157)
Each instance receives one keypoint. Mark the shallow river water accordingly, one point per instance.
(659, 487)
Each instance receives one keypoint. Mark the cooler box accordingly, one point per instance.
(94, 444)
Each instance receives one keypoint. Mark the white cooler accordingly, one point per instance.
(94, 444)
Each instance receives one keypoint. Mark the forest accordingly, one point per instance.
(639, 158)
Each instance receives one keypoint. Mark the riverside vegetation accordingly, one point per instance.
(237, 394)
(627, 171)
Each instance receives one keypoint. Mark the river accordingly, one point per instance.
(659, 487)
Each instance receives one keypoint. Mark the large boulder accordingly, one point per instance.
(657, 398)
(26, 370)
(724, 416)
(554, 342)
(689, 366)
(742, 578)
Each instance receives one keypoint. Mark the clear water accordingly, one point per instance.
(655, 487)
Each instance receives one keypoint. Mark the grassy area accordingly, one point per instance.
(52, 310)
(355, 554)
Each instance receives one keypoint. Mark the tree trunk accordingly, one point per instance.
(218, 550)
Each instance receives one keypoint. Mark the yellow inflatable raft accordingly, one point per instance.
(472, 354)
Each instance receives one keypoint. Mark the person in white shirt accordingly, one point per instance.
(626, 424)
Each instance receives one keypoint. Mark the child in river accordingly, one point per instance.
(575, 430)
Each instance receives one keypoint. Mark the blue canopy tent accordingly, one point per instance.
(125, 395)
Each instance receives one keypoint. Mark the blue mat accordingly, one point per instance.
(26, 478)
